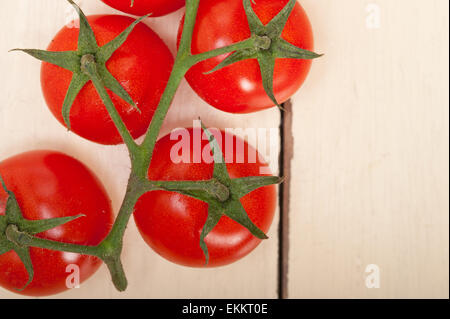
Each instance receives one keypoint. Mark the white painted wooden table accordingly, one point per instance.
(371, 159)
(370, 155)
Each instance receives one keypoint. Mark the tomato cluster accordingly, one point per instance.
(49, 184)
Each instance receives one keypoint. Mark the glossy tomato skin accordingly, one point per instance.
(142, 7)
(49, 184)
(238, 88)
(171, 223)
(142, 65)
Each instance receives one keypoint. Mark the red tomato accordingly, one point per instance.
(48, 185)
(171, 223)
(238, 88)
(142, 7)
(142, 66)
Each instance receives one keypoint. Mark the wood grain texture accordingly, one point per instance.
(26, 124)
(371, 158)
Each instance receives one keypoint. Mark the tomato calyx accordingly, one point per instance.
(16, 232)
(75, 61)
(268, 46)
(228, 203)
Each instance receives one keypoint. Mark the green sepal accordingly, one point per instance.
(214, 216)
(255, 24)
(79, 80)
(234, 58)
(87, 43)
(105, 52)
(246, 185)
(220, 167)
(69, 60)
(110, 82)
(285, 50)
(13, 213)
(276, 26)
(33, 227)
(236, 212)
(24, 255)
(205, 191)
(266, 62)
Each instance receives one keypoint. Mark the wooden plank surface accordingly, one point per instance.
(370, 169)
(369, 172)
(26, 124)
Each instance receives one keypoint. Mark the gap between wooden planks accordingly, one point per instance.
(286, 156)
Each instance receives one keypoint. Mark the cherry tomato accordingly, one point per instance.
(142, 65)
(238, 88)
(142, 7)
(171, 223)
(48, 184)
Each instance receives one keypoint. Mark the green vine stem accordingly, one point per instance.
(89, 67)
(221, 192)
